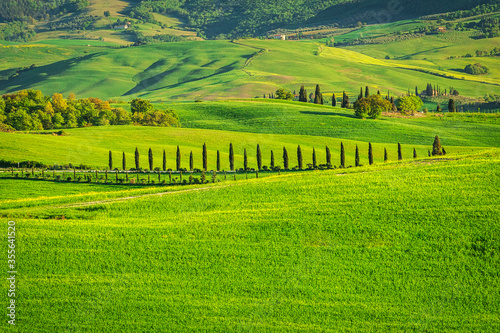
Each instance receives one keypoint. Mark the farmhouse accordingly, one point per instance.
(441, 30)
(122, 26)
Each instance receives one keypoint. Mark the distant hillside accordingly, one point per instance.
(17, 10)
(225, 18)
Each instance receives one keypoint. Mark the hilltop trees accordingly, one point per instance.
(451, 105)
(302, 94)
(371, 106)
(408, 104)
(318, 97)
(436, 147)
(345, 100)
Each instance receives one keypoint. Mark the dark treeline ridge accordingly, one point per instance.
(229, 19)
(20, 10)
(32, 110)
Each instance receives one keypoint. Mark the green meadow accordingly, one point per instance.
(247, 68)
(409, 246)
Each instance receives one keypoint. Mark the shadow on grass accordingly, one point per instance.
(317, 113)
(38, 75)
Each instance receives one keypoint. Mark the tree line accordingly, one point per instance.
(32, 110)
(273, 166)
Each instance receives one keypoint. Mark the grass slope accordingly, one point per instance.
(245, 68)
(405, 247)
(271, 124)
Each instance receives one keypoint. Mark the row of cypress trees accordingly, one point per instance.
(437, 150)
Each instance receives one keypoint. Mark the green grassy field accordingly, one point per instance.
(410, 246)
(247, 69)
(272, 125)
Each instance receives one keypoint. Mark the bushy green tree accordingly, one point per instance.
(451, 105)
(407, 104)
(436, 147)
(281, 93)
(371, 106)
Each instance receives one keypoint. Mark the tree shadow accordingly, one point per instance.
(317, 113)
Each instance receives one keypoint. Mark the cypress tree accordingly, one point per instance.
(150, 159)
(136, 158)
(451, 105)
(259, 158)
(299, 157)
(285, 159)
(205, 162)
(110, 161)
(191, 161)
(400, 153)
(124, 162)
(416, 91)
(438, 108)
(245, 160)
(328, 157)
(367, 92)
(378, 92)
(302, 94)
(356, 157)
(272, 160)
(360, 96)
(414, 153)
(370, 153)
(218, 160)
(164, 164)
(345, 100)
(342, 155)
(178, 159)
(334, 100)
(444, 151)
(436, 147)
(385, 155)
(318, 98)
(428, 152)
(231, 157)
(314, 158)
